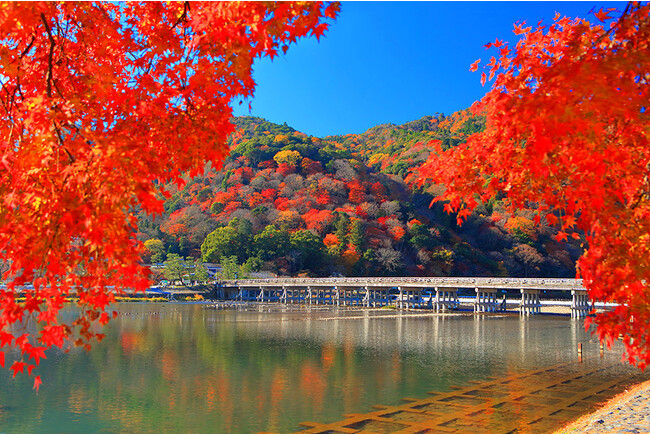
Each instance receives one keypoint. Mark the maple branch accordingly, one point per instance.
(10, 98)
(29, 46)
(61, 142)
(617, 24)
(50, 56)
(183, 17)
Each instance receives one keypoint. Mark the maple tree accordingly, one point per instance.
(567, 128)
(100, 104)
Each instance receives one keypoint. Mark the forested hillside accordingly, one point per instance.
(293, 204)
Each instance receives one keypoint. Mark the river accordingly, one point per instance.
(191, 368)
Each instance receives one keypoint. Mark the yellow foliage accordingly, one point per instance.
(375, 158)
(287, 157)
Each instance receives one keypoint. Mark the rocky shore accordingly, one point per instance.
(628, 412)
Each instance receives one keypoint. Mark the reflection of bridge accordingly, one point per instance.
(440, 293)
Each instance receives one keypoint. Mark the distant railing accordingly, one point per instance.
(552, 284)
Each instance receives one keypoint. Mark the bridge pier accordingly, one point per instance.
(375, 291)
(291, 295)
(378, 296)
(366, 297)
(580, 306)
(446, 299)
(308, 295)
(283, 296)
(337, 296)
(409, 298)
(486, 300)
(529, 302)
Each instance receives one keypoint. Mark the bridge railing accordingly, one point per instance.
(418, 282)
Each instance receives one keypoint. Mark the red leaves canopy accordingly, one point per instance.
(567, 128)
(99, 104)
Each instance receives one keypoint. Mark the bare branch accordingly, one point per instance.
(51, 55)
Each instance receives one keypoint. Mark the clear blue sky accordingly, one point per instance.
(391, 62)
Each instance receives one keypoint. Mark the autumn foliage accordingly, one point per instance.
(100, 103)
(567, 129)
(350, 204)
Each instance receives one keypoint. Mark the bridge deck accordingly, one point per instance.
(417, 282)
(414, 292)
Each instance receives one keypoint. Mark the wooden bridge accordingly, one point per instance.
(439, 293)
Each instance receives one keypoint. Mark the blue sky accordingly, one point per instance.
(391, 62)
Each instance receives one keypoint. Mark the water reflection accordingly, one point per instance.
(180, 367)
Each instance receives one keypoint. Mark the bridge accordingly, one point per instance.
(439, 293)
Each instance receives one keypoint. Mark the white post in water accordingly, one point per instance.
(579, 303)
(283, 297)
(447, 298)
(366, 297)
(530, 303)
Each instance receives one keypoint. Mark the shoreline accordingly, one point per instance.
(628, 411)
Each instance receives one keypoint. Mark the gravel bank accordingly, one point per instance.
(628, 412)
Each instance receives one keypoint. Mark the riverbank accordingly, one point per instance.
(627, 412)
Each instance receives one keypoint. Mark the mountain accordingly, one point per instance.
(294, 204)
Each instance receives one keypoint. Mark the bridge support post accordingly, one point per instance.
(529, 302)
(579, 303)
(486, 300)
(446, 298)
(283, 296)
(260, 296)
(366, 297)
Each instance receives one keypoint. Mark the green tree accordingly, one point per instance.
(420, 237)
(357, 234)
(230, 268)
(271, 243)
(201, 274)
(252, 264)
(306, 250)
(156, 250)
(342, 227)
(234, 239)
(178, 269)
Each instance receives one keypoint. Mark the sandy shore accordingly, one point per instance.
(628, 412)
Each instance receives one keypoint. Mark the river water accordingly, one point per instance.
(192, 368)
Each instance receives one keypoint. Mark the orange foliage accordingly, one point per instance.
(578, 147)
(318, 219)
(350, 256)
(285, 169)
(397, 232)
(331, 240)
(91, 125)
(523, 225)
(357, 192)
(414, 222)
